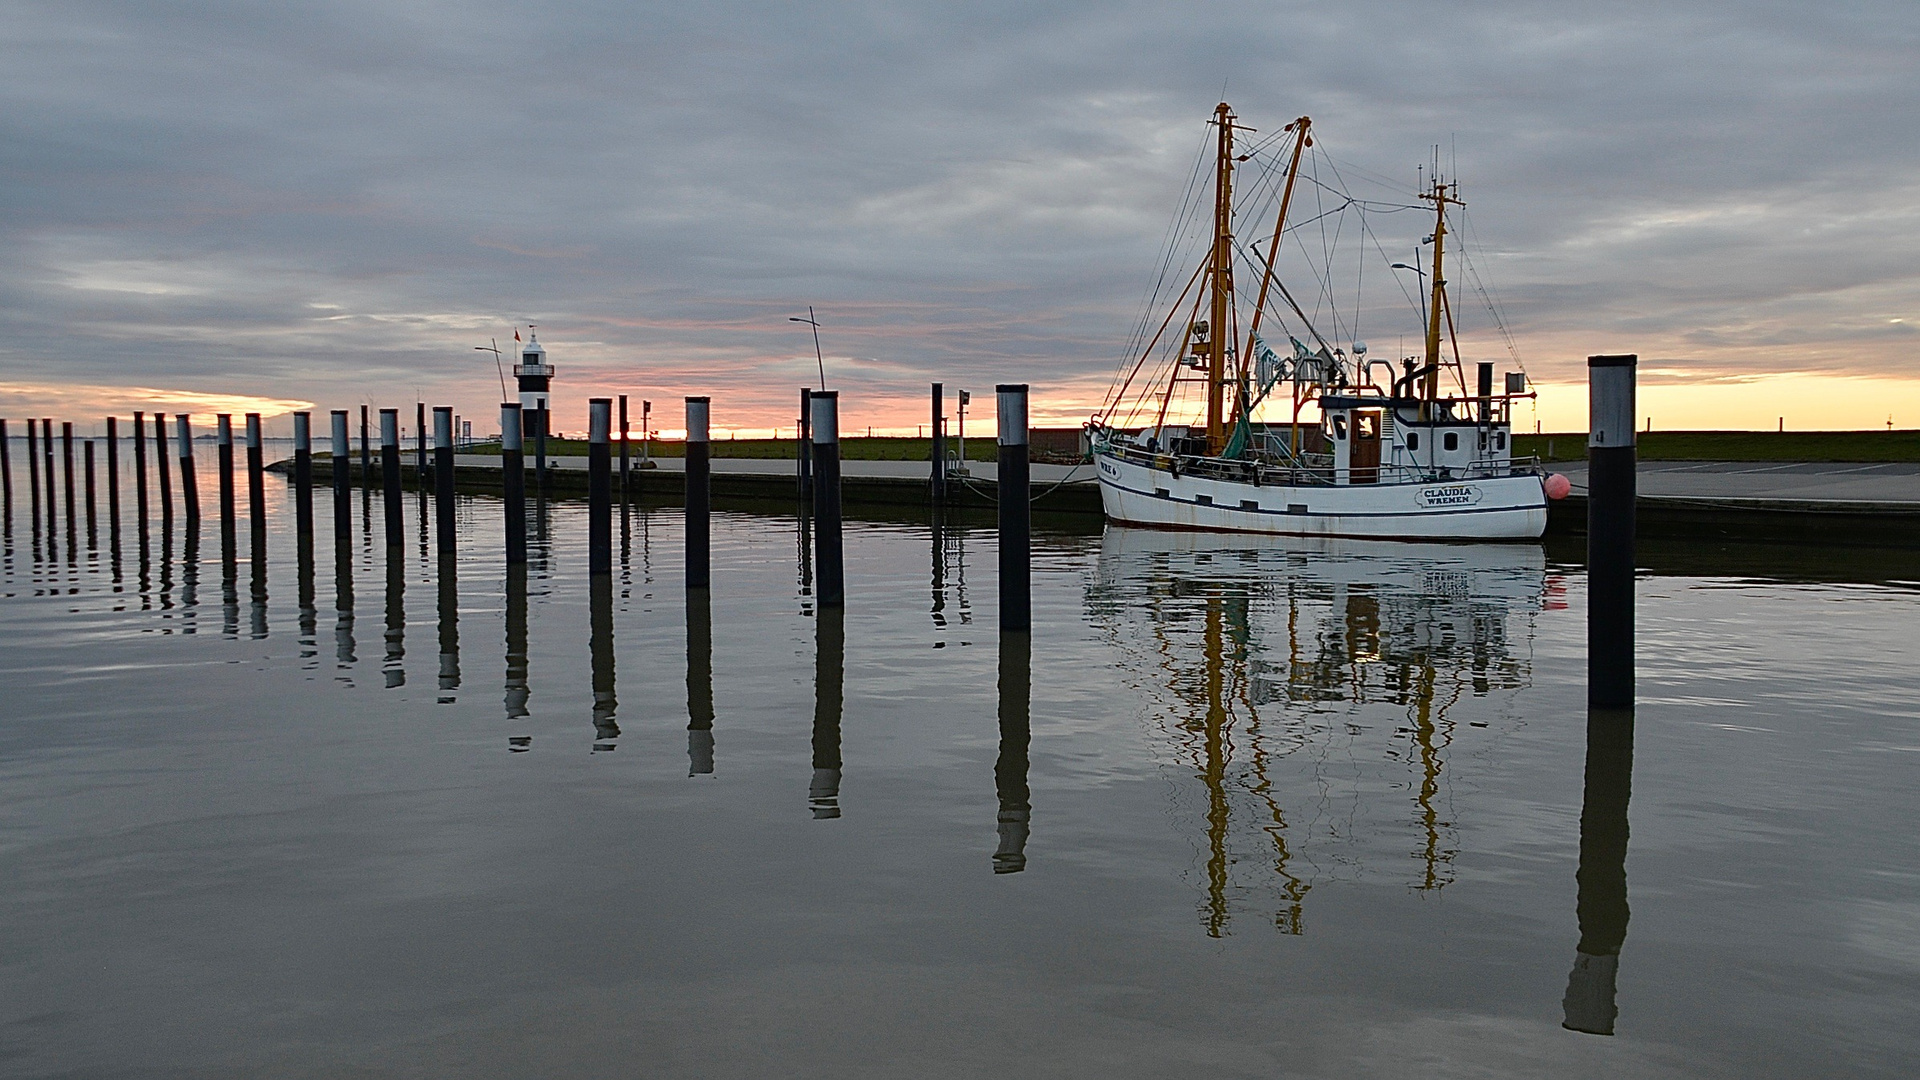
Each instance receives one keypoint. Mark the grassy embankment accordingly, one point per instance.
(858, 449)
(1738, 445)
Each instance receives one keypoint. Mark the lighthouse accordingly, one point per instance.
(535, 376)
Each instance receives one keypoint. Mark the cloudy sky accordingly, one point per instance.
(336, 202)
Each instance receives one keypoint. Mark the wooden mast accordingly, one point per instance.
(1220, 276)
(1441, 200)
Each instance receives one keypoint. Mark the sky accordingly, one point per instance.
(251, 207)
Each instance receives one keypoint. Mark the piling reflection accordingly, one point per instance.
(829, 674)
(1304, 685)
(605, 704)
(1602, 877)
(1010, 768)
(343, 656)
(517, 689)
(257, 583)
(448, 583)
(190, 573)
(309, 611)
(699, 682)
(394, 667)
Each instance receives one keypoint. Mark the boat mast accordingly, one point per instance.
(1220, 276)
(1301, 140)
(1441, 200)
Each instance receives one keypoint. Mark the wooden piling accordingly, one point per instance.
(340, 464)
(600, 486)
(625, 465)
(1016, 555)
(66, 459)
(938, 455)
(189, 481)
(256, 477)
(140, 470)
(803, 466)
(6, 472)
(699, 494)
(113, 480)
(830, 583)
(303, 474)
(443, 479)
(224, 440)
(513, 478)
(164, 468)
(390, 475)
(93, 534)
(33, 475)
(1611, 488)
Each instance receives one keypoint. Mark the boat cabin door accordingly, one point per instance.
(1366, 446)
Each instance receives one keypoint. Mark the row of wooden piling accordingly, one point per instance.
(819, 482)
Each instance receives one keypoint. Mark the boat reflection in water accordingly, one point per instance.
(1315, 687)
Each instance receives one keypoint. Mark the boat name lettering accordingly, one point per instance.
(1450, 495)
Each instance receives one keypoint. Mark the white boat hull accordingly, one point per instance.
(1496, 508)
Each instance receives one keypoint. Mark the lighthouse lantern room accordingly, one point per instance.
(535, 376)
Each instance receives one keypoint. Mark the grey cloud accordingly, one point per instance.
(322, 200)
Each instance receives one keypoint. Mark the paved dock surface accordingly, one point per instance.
(873, 470)
(1895, 485)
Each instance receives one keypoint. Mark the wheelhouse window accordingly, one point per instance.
(1339, 427)
(1451, 440)
(1413, 440)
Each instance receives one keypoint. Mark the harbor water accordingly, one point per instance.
(1237, 806)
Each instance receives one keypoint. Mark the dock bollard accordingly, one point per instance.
(1611, 462)
(938, 452)
(599, 486)
(699, 494)
(803, 470)
(829, 577)
(443, 478)
(256, 479)
(421, 478)
(342, 464)
(513, 481)
(189, 482)
(224, 440)
(390, 474)
(1016, 555)
(303, 473)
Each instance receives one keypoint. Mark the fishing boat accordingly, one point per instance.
(1370, 448)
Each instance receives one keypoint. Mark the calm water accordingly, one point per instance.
(1252, 808)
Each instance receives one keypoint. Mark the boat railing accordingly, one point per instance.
(1317, 469)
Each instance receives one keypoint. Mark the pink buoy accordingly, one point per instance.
(1557, 486)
